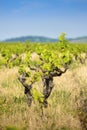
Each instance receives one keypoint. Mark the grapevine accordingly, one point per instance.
(49, 65)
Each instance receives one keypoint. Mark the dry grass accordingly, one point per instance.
(61, 113)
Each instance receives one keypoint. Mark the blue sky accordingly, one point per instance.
(43, 18)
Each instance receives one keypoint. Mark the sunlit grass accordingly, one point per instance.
(62, 112)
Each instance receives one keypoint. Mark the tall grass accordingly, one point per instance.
(65, 109)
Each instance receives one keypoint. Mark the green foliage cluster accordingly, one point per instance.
(47, 51)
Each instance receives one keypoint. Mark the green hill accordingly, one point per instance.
(32, 39)
(45, 39)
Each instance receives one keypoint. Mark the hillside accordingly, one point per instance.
(79, 39)
(32, 39)
(45, 39)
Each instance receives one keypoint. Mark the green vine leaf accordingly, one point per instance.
(37, 96)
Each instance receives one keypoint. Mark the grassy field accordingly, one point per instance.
(65, 110)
